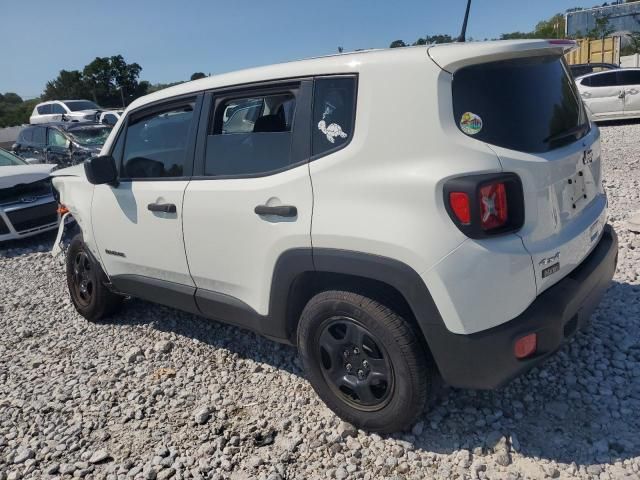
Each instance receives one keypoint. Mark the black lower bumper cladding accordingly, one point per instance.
(485, 360)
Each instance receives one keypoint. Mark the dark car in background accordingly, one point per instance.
(581, 69)
(64, 144)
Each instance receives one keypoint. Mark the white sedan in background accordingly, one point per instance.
(612, 94)
(27, 204)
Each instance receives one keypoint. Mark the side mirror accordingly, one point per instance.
(101, 170)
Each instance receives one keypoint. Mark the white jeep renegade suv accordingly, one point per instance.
(396, 214)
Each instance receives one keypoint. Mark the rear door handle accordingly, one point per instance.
(162, 207)
(585, 94)
(279, 211)
(633, 91)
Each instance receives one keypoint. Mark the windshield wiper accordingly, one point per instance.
(574, 131)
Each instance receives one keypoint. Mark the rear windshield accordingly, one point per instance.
(77, 105)
(528, 104)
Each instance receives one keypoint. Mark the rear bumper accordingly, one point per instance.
(485, 360)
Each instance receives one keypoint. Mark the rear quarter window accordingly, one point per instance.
(44, 109)
(524, 104)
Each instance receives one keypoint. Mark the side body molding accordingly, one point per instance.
(293, 267)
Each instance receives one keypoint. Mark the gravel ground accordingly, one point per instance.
(158, 394)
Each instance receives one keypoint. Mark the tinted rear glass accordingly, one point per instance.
(528, 104)
(77, 105)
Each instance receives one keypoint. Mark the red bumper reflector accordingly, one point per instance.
(525, 346)
(62, 209)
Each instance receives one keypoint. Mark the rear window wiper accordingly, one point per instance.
(574, 131)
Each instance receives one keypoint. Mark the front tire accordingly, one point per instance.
(364, 361)
(85, 279)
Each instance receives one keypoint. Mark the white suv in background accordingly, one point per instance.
(396, 214)
(612, 94)
(65, 110)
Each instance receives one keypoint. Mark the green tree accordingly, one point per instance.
(112, 82)
(197, 76)
(67, 85)
(15, 111)
(633, 44)
(12, 98)
(551, 28)
(426, 40)
(397, 44)
(515, 36)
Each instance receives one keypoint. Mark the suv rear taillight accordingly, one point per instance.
(485, 205)
(493, 206)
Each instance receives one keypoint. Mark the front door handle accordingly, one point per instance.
(279, 210)
(162, 207)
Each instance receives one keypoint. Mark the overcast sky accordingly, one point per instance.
(173, 39)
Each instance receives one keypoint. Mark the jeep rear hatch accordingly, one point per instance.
(520, 99)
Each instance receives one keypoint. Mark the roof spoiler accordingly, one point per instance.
(453, 56)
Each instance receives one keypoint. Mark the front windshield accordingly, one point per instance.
(77, 105)
(9, 160)
(89, 137)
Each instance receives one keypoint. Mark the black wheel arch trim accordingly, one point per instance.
(290, 267)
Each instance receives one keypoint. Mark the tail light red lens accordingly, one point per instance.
(459, 202)
(493, 206)
(485, 205)
(525, 346)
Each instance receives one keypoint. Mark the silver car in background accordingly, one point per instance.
(27, 205)
(611, 94)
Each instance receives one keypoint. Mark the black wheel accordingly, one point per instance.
(85, 280)
(364, 361)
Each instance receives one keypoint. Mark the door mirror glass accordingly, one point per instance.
(101, 170)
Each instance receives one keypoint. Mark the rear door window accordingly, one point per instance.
(39, 135)
(57, 109)
(252, 134)
(26, 135)
(607, 79)
(528, 104)
(629, 77)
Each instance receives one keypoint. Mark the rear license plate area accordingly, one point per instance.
(578, 190)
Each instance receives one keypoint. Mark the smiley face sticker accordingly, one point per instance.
(470, 123)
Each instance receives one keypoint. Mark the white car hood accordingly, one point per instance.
(73, 171)
(13, 175)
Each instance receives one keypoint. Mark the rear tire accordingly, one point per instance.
(86, 282)
(364, 361)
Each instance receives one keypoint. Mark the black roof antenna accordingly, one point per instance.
(463, 33)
